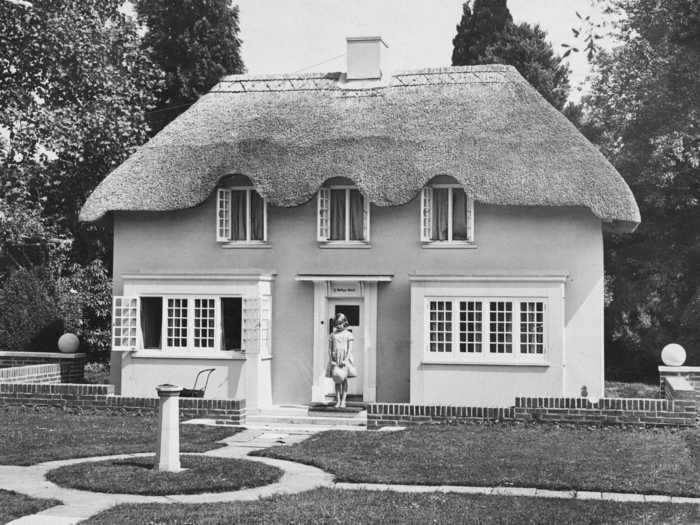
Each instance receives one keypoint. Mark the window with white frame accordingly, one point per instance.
(241, 215)
(191, 323)
(467, 328)
(343, 215)
(447, 214)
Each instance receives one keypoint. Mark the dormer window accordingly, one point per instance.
(343, 215)
(241, 216)
(447, 215)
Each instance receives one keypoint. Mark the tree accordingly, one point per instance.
(487, 35)
(644, 111)
(74, 88)
(196, 43)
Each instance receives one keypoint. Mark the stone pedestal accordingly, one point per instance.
(168, 454)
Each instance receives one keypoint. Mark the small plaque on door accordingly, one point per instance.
(344, 289)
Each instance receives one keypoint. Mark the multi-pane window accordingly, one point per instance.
(470, 326)
(532, 327)
(483, 328)
(440, 328)
(191, 323)
(343, 215)
(124, 319)
(176, 323)
(447, 214)
(241, 215)
(204, 323)
(500, 327)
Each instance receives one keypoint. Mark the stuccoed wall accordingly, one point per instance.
(509, 239)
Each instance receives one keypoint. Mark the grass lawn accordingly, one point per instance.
(545, 456)
(14, 505)
(29, 436)
(137, 476)
(621, 389)
(355, 507)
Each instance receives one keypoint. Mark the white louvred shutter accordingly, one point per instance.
(125, 322)
(265, 325)
(323, 216)
(426, 205)
(251, 324)
(470, 219)
(365, 219)
(223, 215)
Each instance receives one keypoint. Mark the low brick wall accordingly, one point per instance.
(690, 373)
(47, 373)
(70, 366)
(679, 408)
(392, 414)
(101, 398)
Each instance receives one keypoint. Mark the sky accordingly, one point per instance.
(285, 36)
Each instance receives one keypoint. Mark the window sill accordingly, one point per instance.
(485, 362)
(449, 245)
(331, 245)
(229, 355)
(245, 245)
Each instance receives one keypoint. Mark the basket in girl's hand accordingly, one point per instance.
(339, 374)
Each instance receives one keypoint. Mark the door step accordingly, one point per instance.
(285, 416)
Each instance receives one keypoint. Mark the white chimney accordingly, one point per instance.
(364, 57)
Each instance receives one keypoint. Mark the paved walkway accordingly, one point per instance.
(79, 505)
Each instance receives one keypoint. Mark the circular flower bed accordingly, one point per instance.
(137, 476)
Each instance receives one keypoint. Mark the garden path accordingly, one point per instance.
(79, 505)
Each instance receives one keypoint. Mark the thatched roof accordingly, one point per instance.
(483, 125)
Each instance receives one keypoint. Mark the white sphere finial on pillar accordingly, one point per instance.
(168, 456)
(673, 355)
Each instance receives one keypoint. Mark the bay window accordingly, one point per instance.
(190, 323)
(241, 216)
(342, 215)
(480, 328)
(447, 215)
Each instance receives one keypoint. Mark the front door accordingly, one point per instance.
(352, 309)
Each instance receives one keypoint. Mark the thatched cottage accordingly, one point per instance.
(452, 214)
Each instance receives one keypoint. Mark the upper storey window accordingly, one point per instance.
(241, 216)
(447, 215)
(343, 215)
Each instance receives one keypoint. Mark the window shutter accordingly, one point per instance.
(251, 324)
(125, 322)
(323, 215)
(470, 219)
(223, 215)
(365, 219)
(265, 325)
(426, 214)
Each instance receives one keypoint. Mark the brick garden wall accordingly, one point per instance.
(69, 367)
(679, 408)
(101, 398)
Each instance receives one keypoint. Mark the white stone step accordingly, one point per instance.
(359, 419)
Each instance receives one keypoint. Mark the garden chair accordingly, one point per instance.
(198, 392)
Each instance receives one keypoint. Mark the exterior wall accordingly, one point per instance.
(510, 240)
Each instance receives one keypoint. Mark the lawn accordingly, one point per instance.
(356, 506)
(612, 459)
(137, 476)
(29, 436)
(14, 505)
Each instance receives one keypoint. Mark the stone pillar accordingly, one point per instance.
(168, 454)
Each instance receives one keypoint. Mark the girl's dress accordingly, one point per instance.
(339, 351)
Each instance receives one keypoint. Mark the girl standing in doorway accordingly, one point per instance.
(340, 362)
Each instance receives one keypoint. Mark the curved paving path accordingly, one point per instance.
(79, 505)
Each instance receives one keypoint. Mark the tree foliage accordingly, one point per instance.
(487, 34)
(74, 85)
(644, 112)
(195, 42)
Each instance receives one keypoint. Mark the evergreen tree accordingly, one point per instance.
(486, 34)
(196, 43)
